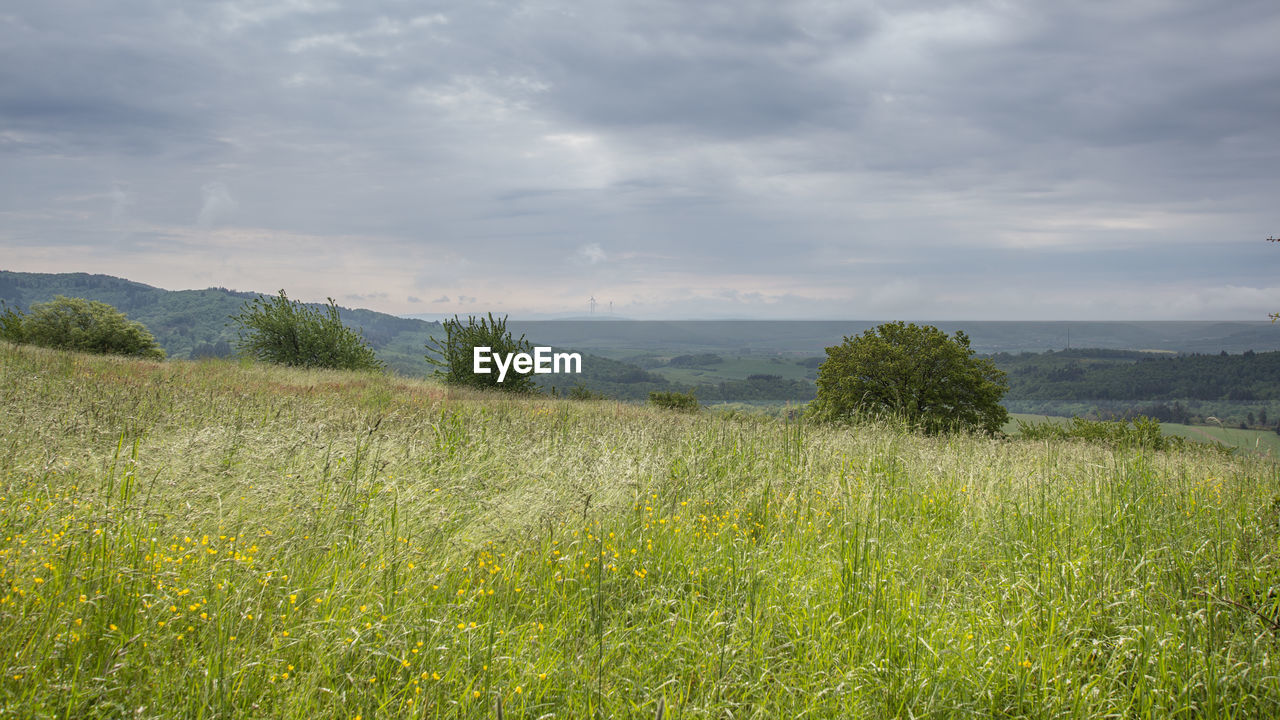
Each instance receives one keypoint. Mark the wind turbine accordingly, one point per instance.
(592, 304)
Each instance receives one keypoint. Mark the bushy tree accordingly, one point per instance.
(81, 325)
(286, 332)
(918, 373)
(453, 355)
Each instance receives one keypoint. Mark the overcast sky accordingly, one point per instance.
(872, 160)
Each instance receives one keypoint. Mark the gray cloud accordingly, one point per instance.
(920, 159)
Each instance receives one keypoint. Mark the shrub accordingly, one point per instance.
(286, 332)
(81, 325)
(453, 357)
(1139, 432)
(10, 323)
(675, 400)
(917, 373)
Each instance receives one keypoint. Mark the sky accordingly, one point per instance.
(902, 159)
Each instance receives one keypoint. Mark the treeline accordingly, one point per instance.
(1121, 375)
(1233, 390)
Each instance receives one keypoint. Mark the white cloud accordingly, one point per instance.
(591, 254)
(217, 206)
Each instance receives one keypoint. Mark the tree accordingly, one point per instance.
(919, 373)
(286, 332)
(81, 325)
(454, 356)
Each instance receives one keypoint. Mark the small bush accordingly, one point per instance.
(286, 332)
(1139, 432)
(687, 402)
(453, 357)
(81, 325)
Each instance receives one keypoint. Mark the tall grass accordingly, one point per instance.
(215, 540)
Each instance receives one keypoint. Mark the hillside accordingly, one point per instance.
(185, 320)
(212, 539)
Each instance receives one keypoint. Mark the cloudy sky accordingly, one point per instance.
(806, 159)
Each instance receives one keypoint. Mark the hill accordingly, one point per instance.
(193, 322)
(212, 539)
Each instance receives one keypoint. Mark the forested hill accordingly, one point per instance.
(1121, 375)
(197, 322)
(1177, 388)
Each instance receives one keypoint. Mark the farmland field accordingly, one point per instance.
(213, 539)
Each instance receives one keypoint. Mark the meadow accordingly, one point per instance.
(215, 539)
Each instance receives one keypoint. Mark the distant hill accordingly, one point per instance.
(623, 339)
(195, 322)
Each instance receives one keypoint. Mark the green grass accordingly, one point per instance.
(216, 540)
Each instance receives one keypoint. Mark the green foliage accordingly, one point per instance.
(10, 323)
(1138, 432)
(453, 356)
(81, 325)
(687, 402)
(918, 373)
(286, 332)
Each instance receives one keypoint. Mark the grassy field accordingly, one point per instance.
(1263, 442)
(218, 540)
